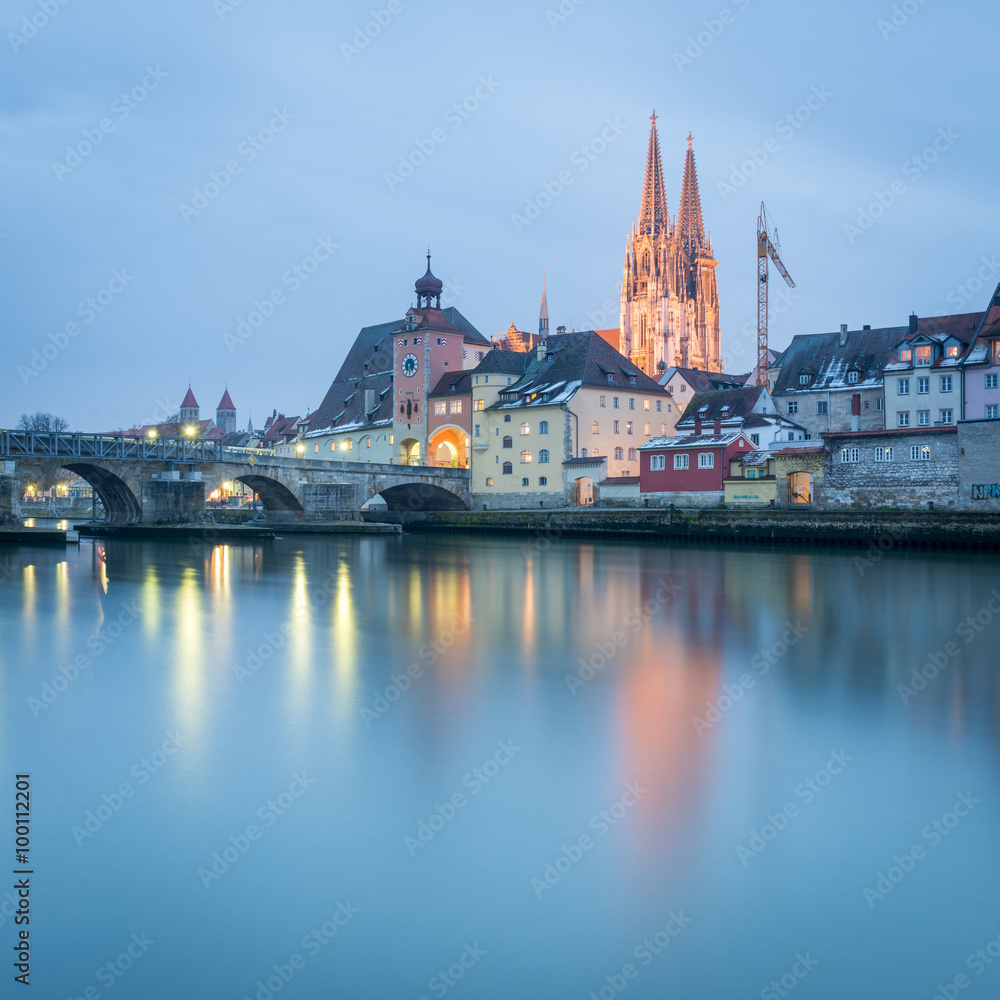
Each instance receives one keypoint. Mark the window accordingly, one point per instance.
(853, 377)
(631, 402)
(755, 438)
(368, 442)
(508, 441)
(614, 402)
(583, 453)
(751, 473)
(628, 427)
(991, 412)
(880, 404)
(946, 383)
(803, 379)
(906, 355)
(604, 400)
(486, 380)
(543, 481)
(659, 406)
(923, 385)
(594, 453)
(440, 408)
(333, 446)
(657, 463)
(706, 459)
(543, 427)
(506, 418)
(923, 417)
(920, 452)
(347, 444)
(946, 416)
(442, 342)
(525, 481)
(456, 406)
(793, 407)
(508, 468)
(479, 355)
(822, 408)
(663, 430)
(619, 454)
(525, 428)
(543, 455)
(390, 439)
(883, 454)
(904, 419)
(315, 448)
(680, 461)
(480, 404)
(645, 428)
(645, 404)
(631, 380)
(683, 388)
(595, 427)
(903, 387)
(922, 356)
(611, 378)
(525, 457)
(850, 455)
(952, 351)
(477, 430)
(614, 427)
(489, 480)
(991, 381)
(631, 454)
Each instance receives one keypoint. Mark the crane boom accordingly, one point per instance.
(765, 248)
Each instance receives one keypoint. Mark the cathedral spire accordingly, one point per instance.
(543, 313)
(690, 228)
(653, 217)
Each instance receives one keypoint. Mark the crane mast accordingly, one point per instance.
(766, 248)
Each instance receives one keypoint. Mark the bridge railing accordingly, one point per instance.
(39, 444)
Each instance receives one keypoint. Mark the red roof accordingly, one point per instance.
(226, 403)
(189, 400)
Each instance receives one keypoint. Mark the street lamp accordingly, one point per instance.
(189, 431)
(152, 433)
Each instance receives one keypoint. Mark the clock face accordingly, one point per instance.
(410, 364)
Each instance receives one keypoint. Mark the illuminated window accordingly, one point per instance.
(390, 439)
(525, 428)
(489, 481)
(922, 356)
(440, 408)
(595, 427)
(604, 400)
(645, 404)
(952, 351)
(920, 453)
(525, 457)
(315, 449)
(663, 430)
(850, 455)
(906, 355)
(628, 427)
(456, 406)
(645, 428)
(883, 454)
(480, 404)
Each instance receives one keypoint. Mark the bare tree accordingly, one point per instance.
(41, 421)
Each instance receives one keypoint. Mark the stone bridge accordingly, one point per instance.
(165, 481)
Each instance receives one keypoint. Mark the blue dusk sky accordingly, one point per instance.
(171, 164)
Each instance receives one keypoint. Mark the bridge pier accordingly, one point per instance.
(330, 501)
(10, 497)
(173, 501)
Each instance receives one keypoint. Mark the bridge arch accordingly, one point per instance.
(421, 496)
(120, 503)
(274, 495)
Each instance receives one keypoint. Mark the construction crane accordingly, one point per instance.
(766, 247)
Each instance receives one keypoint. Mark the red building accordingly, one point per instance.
(697, 463)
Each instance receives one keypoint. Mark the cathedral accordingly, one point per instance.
(670, 305)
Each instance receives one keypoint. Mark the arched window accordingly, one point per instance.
(508, 441)
(645, 263)
(631, 454)
(594, 453)
(595, 427)
(583, 453)
(619, 453)
(507, 468)
(543, 455)
(525, 481)
(525, 428)
(642, 329)
(543, 427)
(525, 457)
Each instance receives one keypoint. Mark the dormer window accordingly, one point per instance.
(922, 356)
(952, 351)
(906, 355)
(804, 378)
(725, 411)
(631, 380)
(853, 376)
(611, 378)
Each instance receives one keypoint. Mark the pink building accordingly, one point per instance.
(981, 369)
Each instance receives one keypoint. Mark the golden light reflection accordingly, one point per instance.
(528, 613)
(102, 566)
(189, 633)
(802, 585)
(300, 643)
(63, 597)
(30, 593)
(151, 598)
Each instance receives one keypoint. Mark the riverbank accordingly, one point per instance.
(884, 529)
(229, 533)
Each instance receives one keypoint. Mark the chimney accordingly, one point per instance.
(717, 429)
(843, 334)
(542, 350)
(867, 326)
(560, 329)
(913, 322)
(697, 425)
(369, 401)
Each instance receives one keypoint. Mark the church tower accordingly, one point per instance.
(669, 304)
(543, 315)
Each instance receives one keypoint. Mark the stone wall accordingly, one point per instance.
(900, 483)
(330, 501)
(519, 501)
(173, 501)
(979, 464)
(683, 498)
(10, 501)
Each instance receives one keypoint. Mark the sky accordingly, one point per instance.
(173, 171)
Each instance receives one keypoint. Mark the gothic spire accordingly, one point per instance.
(543, 313)
(653, 217)
(689, 225)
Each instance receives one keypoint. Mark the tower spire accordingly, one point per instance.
(543, 313)
(653, 217)
(690, 228)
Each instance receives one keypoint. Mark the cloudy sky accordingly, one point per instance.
(167, 166)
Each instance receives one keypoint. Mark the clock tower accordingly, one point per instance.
(425, 348)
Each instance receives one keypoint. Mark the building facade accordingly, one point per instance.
(669, 298)
(981, 367)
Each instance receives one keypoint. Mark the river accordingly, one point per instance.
(430, 765)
